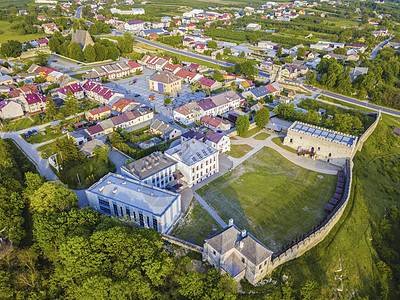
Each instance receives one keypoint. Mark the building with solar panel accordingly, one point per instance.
(320, 143)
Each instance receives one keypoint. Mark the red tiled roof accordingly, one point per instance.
(100, 110)
(206, 81)
(134, 64)
(94, 129)
(34, 98)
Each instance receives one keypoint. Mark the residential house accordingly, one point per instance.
(188, 113)
(196, 160)
(157, 170)
(256, 93)
(134, 201)
(200, 48)
(218, 141)
(136, 25)
(50, 28)
(80, 136)
(209, 84)
(215, 123)
(98, 113)
(356, 71)
(100, 93)
(166, 131)
(238, 253)
(253, 26)
(6, 79)
(165, 83)
(10, 109)
(34, 103)
(225, 101)
(74, 89)
(124, 104)
(89, 147)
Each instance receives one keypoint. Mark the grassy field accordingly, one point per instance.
(252, 132)
(11, 34)
(196, 225)
(349, 243)
(271, 197)
(46, 150)
(51, 134)
(237, 151)
(94, 166)
(279, 140)
(18, 124)
(262, 136)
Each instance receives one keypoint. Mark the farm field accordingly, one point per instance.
(271, 197)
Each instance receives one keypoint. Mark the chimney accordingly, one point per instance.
(244, 233)
(241, 244)
(230, 222)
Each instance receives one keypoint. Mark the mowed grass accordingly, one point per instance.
(196, 225)
(11, 34)
(271, 197)
(18, 124)
(279, 140)
(252, 132)
(238, 151)
(47, 150)
(262, 136)
(50, 134)
(349, 244)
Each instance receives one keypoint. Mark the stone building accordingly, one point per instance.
(238, 253)
(320, 143)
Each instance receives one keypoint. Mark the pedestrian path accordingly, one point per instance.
(209, 209)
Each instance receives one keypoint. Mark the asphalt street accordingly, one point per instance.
(378, 47)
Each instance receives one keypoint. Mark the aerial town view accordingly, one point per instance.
(201, 149)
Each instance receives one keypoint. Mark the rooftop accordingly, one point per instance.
(192, 151)
(134, 193)
(165, 77)
(149, 165)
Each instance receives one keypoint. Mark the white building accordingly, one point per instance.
(218, 141)
(134, 25)
(196, 160)
(156, 169)
(129, 199)
(10, 109)
(133, 11)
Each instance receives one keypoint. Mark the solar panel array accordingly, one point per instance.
(324, 134)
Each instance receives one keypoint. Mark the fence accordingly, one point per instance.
(318, 233)
(182, 243)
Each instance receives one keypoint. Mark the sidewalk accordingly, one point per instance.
(210, 210)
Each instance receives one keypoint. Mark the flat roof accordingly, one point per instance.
(134, 193)
(329, 135)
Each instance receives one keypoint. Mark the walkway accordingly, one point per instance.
(209, 209)
(304, 162)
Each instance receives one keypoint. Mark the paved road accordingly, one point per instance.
(378, 47)
(357, 102)
(78, 13)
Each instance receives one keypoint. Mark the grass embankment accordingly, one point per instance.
(271, 197)
(237, 151)
(279, 141)
(19, 124)
(196, 225)
(251, 132)
(349, 244)
(47, 150)
(262, 136)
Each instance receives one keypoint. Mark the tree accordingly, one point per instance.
(52, 196)
(195, 86)
(279, 52)
(101, 153)
(262, 117)
(253, 38)
(212, 44)
(301, 52)
(248, 69)
(227, 51)
(89, 53)
(51, 109)
(242, 125)
(101, 51)
(11, 49)
(243, 54)
(71, 105)
(75, 52)
(125, 43)
(167, 101)
(218, 76)
(42, 58)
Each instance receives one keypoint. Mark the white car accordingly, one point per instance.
(64, 131)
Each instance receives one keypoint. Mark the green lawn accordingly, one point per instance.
(237, 151)
(279, 140)
(196, 225)
(349, 243)
(11, 34)
(18, 124)
(50, 134)
(271, 197)
(262, 136)
(94, 167)
(251, 132)
(46, 150)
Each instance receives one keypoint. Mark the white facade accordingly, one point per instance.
(196, 160)
(129, 199)
(10, 109)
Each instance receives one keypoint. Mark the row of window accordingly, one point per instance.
(105, 207)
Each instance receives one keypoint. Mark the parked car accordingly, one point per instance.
(64, 131)
(34, 131)
(30, 132)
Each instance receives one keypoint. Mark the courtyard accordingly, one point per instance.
(271, 197)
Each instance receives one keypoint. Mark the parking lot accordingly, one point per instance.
(141, 87)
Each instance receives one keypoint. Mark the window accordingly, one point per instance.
(115, 210)
(330, 154)
(122, 212)
(155, 224)
(207, 163)
(141, 220)
(128, 214)
(243, 260)
(148, 221)
(104, 202)
(214, 158)
(193, 170)
(197, 168)
(291, 140)
(259, 267)
(105, 209)
(265, 263)
(193, 178)
(214, 252)
(319, 148)
(134, 216)
(201, 173)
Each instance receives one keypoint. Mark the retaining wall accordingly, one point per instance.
(367, 133)
(182, 243)
(320, 232)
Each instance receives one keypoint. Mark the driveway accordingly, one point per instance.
(118, 158)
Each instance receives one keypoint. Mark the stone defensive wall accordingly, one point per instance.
(305, 242)
(310, 239)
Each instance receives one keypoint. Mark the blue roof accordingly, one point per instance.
(155, 30)
(260, 91)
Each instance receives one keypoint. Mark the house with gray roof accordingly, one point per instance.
(155, 169)
(238, 253)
